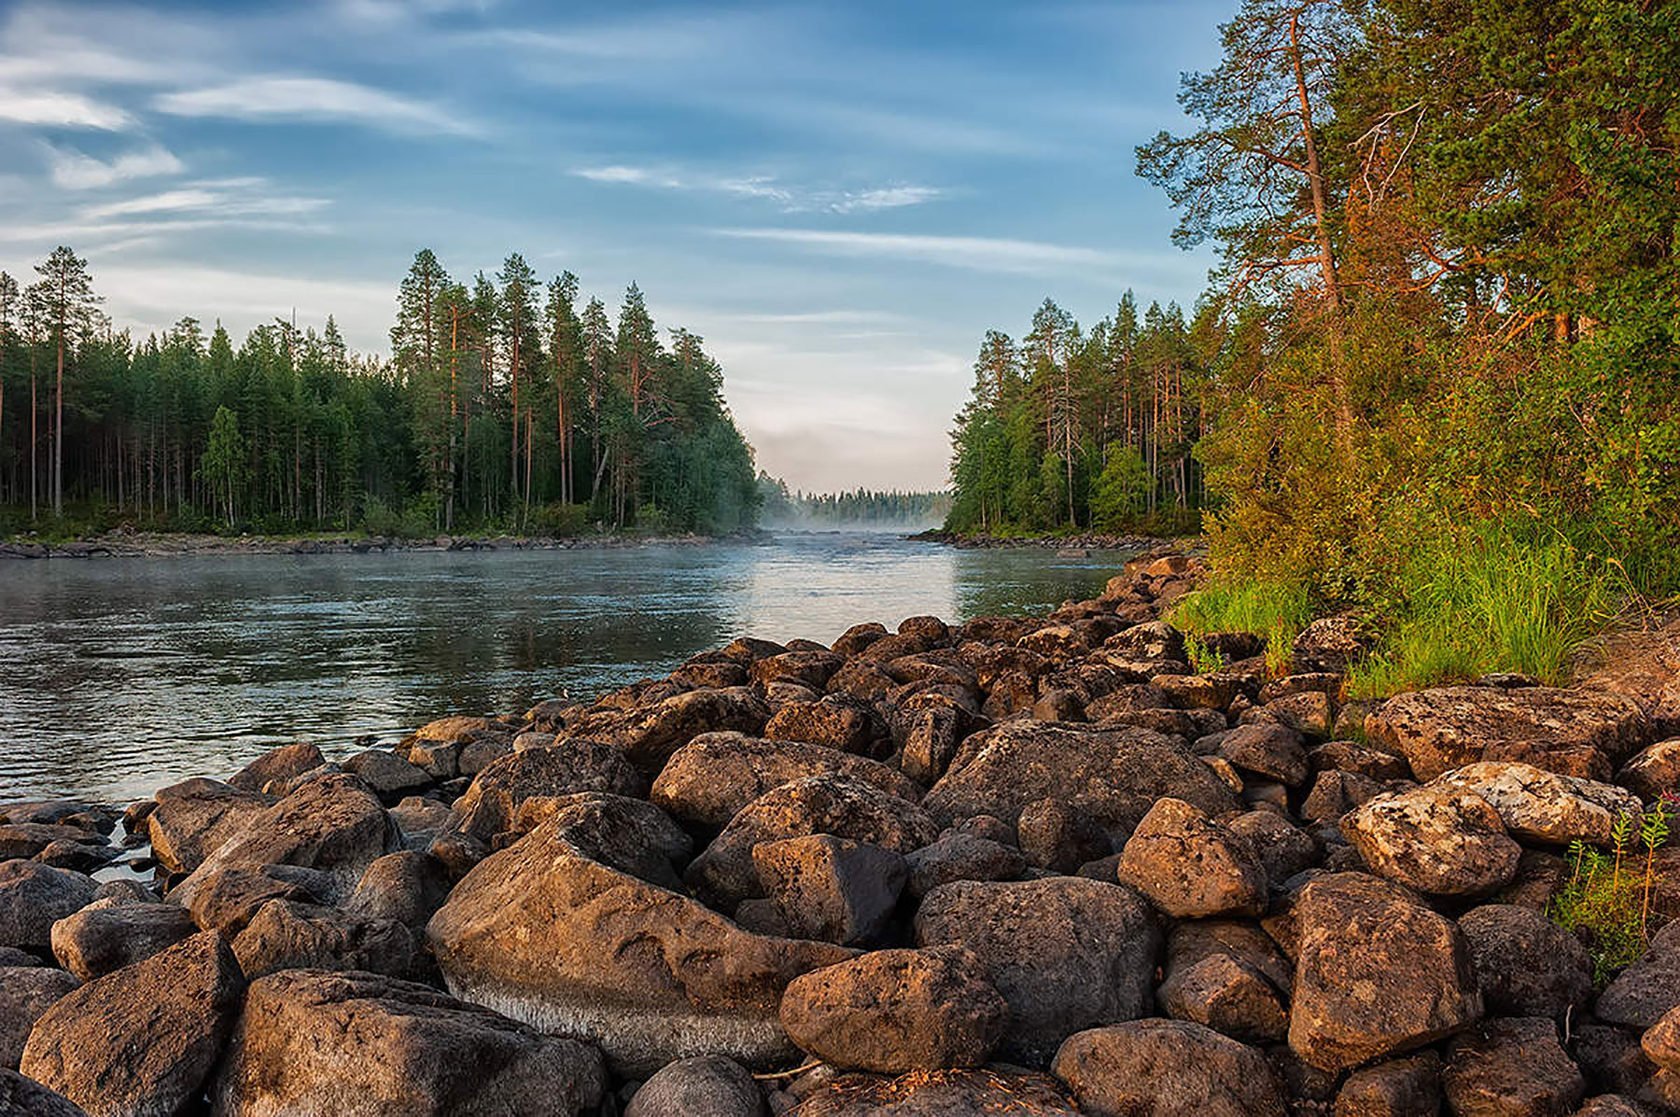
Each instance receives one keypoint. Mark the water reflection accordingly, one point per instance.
(117, 676)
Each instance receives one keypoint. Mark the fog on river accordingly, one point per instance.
(120, 675)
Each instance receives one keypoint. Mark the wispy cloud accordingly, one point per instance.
(74, 170)
(57, 109)
(790, 198)
(312, 99)
(976, 253)
(241, 197)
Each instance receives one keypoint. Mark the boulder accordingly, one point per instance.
(1284, 848)
(650, 736)
(845, 807)
(1649, 989)
(32, 839)
(1358, 759)
(1435, 839)
(227, 900)
(1653, 771)
(1189, 865)
(403, 1050)
(1059, 836)
(1311, 713)
(278, 766)
(1525, 964)
(1274, 751)
(1331, 644)
(1661, 1041)
(193, 818)
(389, 775)
(630, 835)
(25, 993)
(546, 935)
(1067, 953)
(1334, 793)
(711, 778)
(108, 935)
(834, 720)
(334, 825)
(33, 897)
(832, 889)
(24, 1097)
(1511, 1067)
(573, 765)
(1540, 806)
(1227, 976)
(961, 856)
(1409, 1087)
(286, 935)
(1571, 732)
(1164, 1068)
(407, 886)
(143, 1039)
(1376, 973)
(892, 1011)
(705, 1084)
(943, 1093)
(1114, 775)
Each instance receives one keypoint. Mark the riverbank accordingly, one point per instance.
(1034, 862)
(165, 544)
(1079, 541)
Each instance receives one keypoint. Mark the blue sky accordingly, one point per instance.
(840, 198)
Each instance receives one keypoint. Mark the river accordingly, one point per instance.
(120, 675)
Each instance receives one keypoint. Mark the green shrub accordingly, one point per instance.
(560, 521)
(1204, 659)
(1607, 900)
(1274, 610)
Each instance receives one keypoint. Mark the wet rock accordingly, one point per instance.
(834, 720)
(1162, 1068)
(1650, 988)
(832, 889)
(892, 1011)
(411, 1051)
(108, 935)
(1376, 973)
(193, 818)
(1571, 732)
(574, 765)
(1189, 865)
(1541, 806)
(961, 856)
(142, 1039)
(1113, 775)
(1525, 964)
(1066, 953)
(25, 993)
(24, 1097)
(1435, 839)
(1408, 1087)
(843, 806)
(706, 1084)
(33, 897)
(546, 935)
(945, 1093)
(286, 935)
(1513, 1067)
(277, 766)
(407, 886)
(711, 778)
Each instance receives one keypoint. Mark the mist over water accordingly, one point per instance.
(118, 676)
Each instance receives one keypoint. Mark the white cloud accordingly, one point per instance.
(791, 198)
(294, 98)
(73, 170)
(225, 198)
(977, 253)
(55, 109)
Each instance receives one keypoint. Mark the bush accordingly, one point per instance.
(1274, 610)
(1607, 899)
(560, 521)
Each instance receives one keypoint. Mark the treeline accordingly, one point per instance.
(863, 507)
(503, 406)
(1083, 428)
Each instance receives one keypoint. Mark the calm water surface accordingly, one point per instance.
(120, 675)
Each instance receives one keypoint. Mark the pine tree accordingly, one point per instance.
(67, 291)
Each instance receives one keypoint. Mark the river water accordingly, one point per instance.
(120, 675)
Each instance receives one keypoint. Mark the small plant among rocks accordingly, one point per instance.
(1205, 659)
(1607, 899)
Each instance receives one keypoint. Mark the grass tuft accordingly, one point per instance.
(1277, 611)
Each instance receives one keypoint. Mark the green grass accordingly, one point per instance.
(1277, 611)
(1489, 602)
(1606, 902)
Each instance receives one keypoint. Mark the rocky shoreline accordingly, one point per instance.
(165, 544)
(1029, 866)
(1084, 541)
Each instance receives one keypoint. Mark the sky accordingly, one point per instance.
(841, 198)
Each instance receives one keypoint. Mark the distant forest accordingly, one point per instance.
(503, 406)
(863, 507)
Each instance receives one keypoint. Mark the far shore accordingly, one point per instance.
(183, 544)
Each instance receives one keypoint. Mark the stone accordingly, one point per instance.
(389, 775)
(1649, 989)
(30, 839)
(143, 1039)
(334, 825)
(277, 766)
(287, 935)
(630, 835)
(1189, 865)
(724, 874)
(227, 900)
(33, 897)
(1377, 973)
(25, 993)
(1654, 771)
(650, 736)
(1067, 953)
(1525, 964)
(1610, 1105)
(1661, 1041)
(711, 778)
(1435, 839)
(108, 935)
(193, 818)
(1358, 759)
(961, 856)
(1284, 848)
(944, 1093)
(574, 765)
(1610, 1058)
(1311, 713)
(830, 888)
(546, 935)
(1331, 644)
(1409, 1087)
(1114, 775)
(1228, 976)
(1511, 1067)
(407, 886)
(24, 1097)
(833, 720)
(305, 1038)
(1164, 1068)
(1150, 640)
(1541, 806)
(1274, 751)
(1059, 836)
(706, 1084)
(1571, 732)
(892, 1011)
